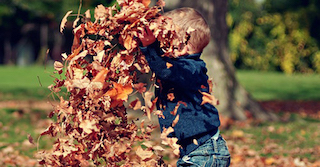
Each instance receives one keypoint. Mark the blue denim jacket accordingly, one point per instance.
(179, 85)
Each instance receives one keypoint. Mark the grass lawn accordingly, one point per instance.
(25, 83)
(31, 82)
(279, 86)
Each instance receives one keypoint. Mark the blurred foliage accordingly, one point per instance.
(281, 35)
(51, 9)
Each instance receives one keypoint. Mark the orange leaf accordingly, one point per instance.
(146, 3)
(101, 76)
(120, 92)
(170, 96)
(208, 98)
(169, 65)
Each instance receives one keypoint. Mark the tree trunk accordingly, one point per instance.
(235, 101)
(42, 57)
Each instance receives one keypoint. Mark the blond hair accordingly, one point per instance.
(186, 18)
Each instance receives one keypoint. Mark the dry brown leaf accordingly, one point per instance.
(144, 154)
(58, 66)
(30, 139)
(64, 21)
(170, 96)
(88, 126)
(136, 104)
(175, 121)
(101, 76)
(208, 98)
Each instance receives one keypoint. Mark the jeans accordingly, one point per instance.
(213, 153)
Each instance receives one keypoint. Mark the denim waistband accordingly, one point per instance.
(188, 145)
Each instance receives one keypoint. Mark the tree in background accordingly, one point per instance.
(29, 28)
(280, 35)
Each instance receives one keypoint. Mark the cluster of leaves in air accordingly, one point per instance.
(99, 74)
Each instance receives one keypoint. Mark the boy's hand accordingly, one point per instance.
(146, 36)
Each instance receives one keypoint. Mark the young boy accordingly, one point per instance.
(181, 85)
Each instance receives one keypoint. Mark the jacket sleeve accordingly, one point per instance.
(185, 73)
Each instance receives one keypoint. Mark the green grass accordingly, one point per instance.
(16, 124)
(31, 82)
(279, 86)
(25, 83)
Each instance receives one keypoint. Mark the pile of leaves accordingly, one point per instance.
(92, 126)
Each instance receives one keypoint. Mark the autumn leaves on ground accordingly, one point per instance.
(293, 141)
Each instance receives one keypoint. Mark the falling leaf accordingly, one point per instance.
(136, 104)
(140, 87)
(175, 110)
(30, 139)
(144, 154)
(101, 76)
(75, 22)
(120, 92)
(88, 126)
(64, 21)
(169, 65)
(175, 121)
(170, 96)
(161, 3)
(146, 3)
(58, 66)
(190, 30)
(128, 42)
(100, 12)
(195, 142)
(87, 14)
(208, 98)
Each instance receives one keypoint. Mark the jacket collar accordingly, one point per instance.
(192, 56)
